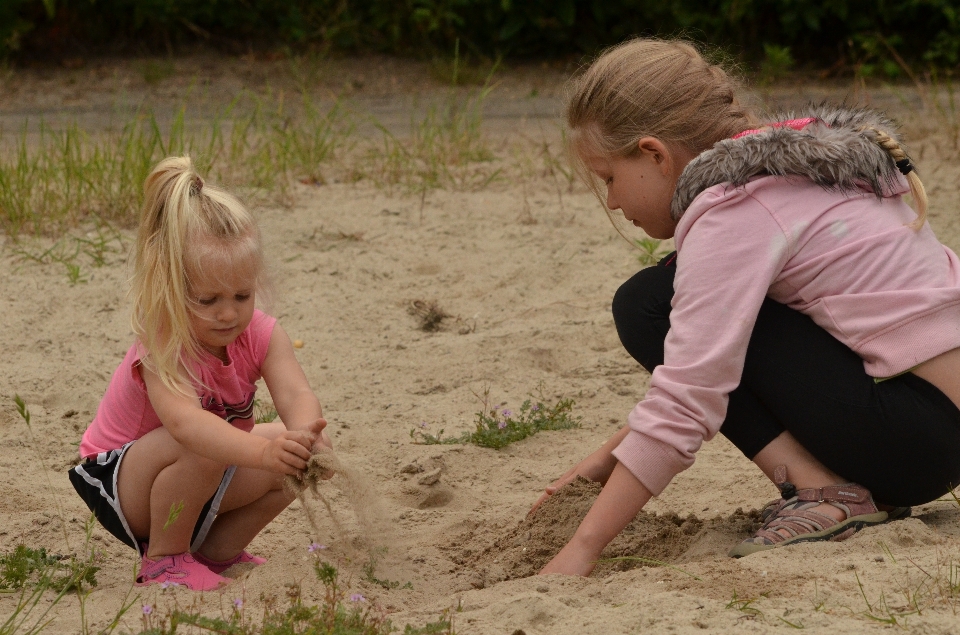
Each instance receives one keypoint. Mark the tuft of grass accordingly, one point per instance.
(337, 614)
(26, 566)
(498, 427)
(745, 605)
(263, 411)
(446, 148)
(370, 575)
(651, 251)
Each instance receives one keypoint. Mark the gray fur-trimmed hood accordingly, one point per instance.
(836, 152)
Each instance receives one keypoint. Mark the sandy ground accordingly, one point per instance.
(528, 272)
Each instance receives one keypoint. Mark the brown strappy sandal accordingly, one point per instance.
(794, 514)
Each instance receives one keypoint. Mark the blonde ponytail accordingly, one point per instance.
(906, 168)
(180, 214)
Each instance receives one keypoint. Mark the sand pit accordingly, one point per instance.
(649, 540)
(529, 265)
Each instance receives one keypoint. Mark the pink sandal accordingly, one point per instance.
(219, 567)
(794, 514)
(181, 569)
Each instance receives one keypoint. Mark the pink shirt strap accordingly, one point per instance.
(796, 124)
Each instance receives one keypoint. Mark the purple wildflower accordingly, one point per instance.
(356, 597)
(535, 408)
(237, 603)
(147, 609)
(507, 413)
(423, 424)
(315, 546)
(502, 425)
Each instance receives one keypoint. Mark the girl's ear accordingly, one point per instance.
(658, 151)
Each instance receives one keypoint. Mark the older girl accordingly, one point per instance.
(809, 314)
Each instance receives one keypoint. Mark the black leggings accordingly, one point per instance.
(899, 438)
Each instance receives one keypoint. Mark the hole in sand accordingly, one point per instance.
(525, 549)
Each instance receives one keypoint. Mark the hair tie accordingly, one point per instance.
(905, 166)
(197, 184)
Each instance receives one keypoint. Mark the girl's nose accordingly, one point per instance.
(611, 203)
(228, 313)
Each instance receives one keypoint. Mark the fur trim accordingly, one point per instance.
(835, 152)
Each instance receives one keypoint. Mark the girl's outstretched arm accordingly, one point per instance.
(207, 435)
(596, 467)
(621, 499)
(296, 404)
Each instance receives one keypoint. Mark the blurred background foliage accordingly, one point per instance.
(870, 36)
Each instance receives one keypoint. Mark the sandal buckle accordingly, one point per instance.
(787, 489)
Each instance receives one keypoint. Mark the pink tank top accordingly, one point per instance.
(125, 413)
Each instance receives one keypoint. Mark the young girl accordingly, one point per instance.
(175, 466)
(809, 314)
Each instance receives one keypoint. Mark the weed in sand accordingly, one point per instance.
(337, 614)
(650, 251)
(175, 510)
(263, 411)
(26, 565)
(498, 427)
(745, 605)
(370, 573)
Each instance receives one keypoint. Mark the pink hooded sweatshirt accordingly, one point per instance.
(846, 258)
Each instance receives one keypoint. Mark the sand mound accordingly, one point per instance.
(648, 540)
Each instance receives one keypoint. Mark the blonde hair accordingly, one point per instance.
(183, 224)
(650, 87)
(905, 166)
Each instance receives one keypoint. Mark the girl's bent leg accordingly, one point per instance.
(162, 488)
(896, 438)
(253, 498)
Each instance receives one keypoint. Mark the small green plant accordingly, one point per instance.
(498, 427)
(881, 611)
(175, 510)
(263, 411)
(370, 575)
(651, 251)
(26, 566)
(443, 626)
(745, 605)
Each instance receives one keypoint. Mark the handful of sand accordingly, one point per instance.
(323, 468)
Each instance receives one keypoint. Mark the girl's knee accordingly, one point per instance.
(646, 295)
(206, 468)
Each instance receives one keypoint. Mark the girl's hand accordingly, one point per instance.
(622, 498)
(573, 559)
(596, 467)
(287, 453)
(593, 468)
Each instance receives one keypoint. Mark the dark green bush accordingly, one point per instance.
(856, 33)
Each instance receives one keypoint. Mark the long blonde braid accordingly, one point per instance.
(906, 168)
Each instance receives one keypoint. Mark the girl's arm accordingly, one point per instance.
(296, 404)
(208, 435)
(621, 499)
(595, 467)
